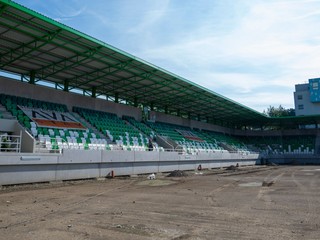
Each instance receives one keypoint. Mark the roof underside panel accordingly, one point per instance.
(30, 42)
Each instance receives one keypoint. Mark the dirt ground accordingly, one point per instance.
(250, 203)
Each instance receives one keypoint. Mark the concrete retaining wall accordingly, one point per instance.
(84, 164)
(289, 159)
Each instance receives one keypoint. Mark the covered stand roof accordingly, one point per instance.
(34, 45)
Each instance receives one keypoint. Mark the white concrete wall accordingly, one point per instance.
(22, 89)
(84, 164)
(7, 125)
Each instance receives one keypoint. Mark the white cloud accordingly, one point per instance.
(274, 44)
(69, 11)
(148, 18)
(262, 100)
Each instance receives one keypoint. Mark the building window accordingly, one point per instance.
(299, 97)
(300, 107)
(315, 85)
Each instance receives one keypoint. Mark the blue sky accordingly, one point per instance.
(251, 51)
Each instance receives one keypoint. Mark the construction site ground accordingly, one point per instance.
(275, 202)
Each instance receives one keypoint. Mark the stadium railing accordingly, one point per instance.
(10, 143)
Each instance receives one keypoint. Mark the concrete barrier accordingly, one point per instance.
(292, 159)
(17, 168)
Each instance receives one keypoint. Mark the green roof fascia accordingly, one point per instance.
(76, 32)
(296, 118)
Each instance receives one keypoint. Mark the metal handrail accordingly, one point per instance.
(10, 143)
(47, 144)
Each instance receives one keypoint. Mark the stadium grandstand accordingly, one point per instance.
(72, 106)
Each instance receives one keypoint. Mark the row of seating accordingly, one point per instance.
(140, 126)
(130, 134)
(116, 129)
(282, 145)
(51, 138)
(168, 130)
(56, 139)
(223, 140)
(195, 141)
(12, 104)
(12, 101)
(58, 143)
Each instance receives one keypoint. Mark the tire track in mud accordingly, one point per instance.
(211, 195)
(69, 206)
(306, 189)
(266, 188)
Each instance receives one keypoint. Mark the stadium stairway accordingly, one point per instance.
(140, 126)
(121, 133)
(223, 141)
(90, 126)
(167, 143)
(144, 136)
(147, 133)
(50, 138)
(4, 113)
(183, 138)
(227, 147)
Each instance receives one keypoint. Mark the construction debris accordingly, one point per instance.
(231, 168)
(178, 173)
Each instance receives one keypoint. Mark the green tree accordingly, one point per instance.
(279, 111)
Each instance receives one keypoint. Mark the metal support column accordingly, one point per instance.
(66, 85)
(32, 77)
(94, 92)
(116, 97)
(135, 102)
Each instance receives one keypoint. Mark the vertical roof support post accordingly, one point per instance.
(32, 77)
(189, 115)
(135, 102)
(94, 92)
(166, 109)
(178, 112)
(66, 85)
(198, 117)
(116, 97)
(151, 106)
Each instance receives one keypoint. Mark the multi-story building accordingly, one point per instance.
(307, 98)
